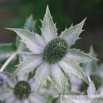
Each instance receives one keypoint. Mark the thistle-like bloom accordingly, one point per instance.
(52, 56)
(3, 80)
(21, 91)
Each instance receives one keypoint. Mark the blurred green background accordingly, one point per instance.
(13, 13)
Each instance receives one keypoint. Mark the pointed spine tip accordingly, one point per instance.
(98, 59)
(47, 6)
(7, 28)
(11, 78)
(91, 46)
(83, 30)
(31, 15)
(85, 19)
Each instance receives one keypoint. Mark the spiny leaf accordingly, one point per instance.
(20, 45)
(93, 63)
(48, 29)
(30, 23)
(70, 66)
(29, 64)
(91, 89)
(72, 34)
(79, 56)
(33, 41)
(42, 74)
(58, 78)
(91, 66)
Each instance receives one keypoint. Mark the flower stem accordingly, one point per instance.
(8, 61)
(12, 56)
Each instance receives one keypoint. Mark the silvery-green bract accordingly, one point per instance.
(10, 52)
(52, 56)
(94, 70)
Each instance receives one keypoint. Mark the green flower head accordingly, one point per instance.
(52, 56)
(21, 90)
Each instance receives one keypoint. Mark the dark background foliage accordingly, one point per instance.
(13, 13)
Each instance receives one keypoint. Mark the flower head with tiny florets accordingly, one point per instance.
(52, 56)
(21, 91)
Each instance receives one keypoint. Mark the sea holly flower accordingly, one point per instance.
(21, 91)
(4, 79)
(52, 55)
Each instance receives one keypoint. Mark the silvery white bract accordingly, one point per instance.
(21, 91)
(10, 52)
(92, 66)
(52, 55)
(94, 96)
(91, 89)
(93, 69)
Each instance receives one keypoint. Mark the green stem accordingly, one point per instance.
(12, 56)
(8, 61)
